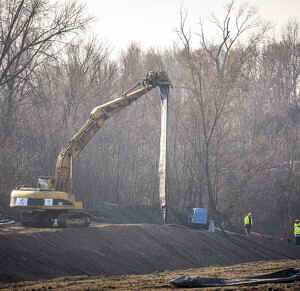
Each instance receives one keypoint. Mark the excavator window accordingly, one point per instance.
(42, 183)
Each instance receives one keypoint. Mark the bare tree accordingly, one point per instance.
(213, 76)
(32, 34)
(30, 31)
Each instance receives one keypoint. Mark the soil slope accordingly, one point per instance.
(30, 254)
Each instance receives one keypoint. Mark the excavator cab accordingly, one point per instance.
(42, 183)
(45, 183)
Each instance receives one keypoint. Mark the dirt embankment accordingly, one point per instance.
(122, 245)
(29, 254)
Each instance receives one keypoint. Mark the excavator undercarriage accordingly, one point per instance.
(49, 218)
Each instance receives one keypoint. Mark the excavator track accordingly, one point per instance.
(38, 218)
(73, 219)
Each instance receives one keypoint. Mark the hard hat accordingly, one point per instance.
(297, 220)
(249, 214)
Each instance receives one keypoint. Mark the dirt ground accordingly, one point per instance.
(134, 256)
(160, 281)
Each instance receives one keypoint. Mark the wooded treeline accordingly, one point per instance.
(234, 113)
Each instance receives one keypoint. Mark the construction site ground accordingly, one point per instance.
(134, 256)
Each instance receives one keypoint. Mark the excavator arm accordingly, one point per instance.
(63, 170)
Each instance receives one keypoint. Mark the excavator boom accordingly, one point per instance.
(63, 170)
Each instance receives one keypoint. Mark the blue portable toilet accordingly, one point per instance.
(200, 218)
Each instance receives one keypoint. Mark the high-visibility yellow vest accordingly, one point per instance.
(297, 230)
(296, 224)
(247, 220)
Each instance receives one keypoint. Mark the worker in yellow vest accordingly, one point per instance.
(297, 234)
(296, 223)
(248, 223)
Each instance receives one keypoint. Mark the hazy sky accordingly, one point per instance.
(152, 23)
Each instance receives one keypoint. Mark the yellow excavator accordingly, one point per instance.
(53, 198)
